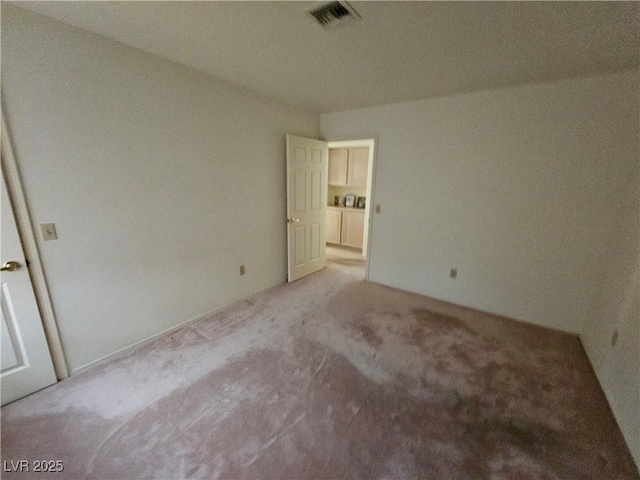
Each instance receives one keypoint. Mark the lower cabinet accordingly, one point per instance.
(345, 226)
(352, 229)
(334, 218)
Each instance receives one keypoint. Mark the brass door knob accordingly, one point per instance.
(11, 266)
(293, 220)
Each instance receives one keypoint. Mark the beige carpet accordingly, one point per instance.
(330, 377)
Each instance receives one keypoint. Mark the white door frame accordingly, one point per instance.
(371, 141)
(36, 272)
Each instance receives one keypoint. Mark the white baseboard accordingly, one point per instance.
(167, 331)
(635, 454)
(124, 350)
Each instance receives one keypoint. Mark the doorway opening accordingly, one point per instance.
(350, 180)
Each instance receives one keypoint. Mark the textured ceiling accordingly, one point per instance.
(399, 51)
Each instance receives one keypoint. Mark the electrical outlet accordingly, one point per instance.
(377, 208)
(614, 338)
(241, 269)
(453, 273)
(48, 231)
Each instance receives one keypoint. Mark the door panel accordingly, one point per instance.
(26, 361)
(316, 242)
(316, 155)
(300, 189)
(12, 344)
(300, 246)
(307, 163)
(316, 190)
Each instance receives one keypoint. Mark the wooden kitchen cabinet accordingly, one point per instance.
(338, 158)
(352, 228)
(348, 167)
(334, 220)
(345, 226)
(358, 167)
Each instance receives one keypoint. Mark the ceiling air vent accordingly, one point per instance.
(332, 14)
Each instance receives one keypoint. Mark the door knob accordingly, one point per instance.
(11, 267)
(293, 220)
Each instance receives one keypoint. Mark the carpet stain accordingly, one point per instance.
(330, 377)
(370, 336)
(440, 322)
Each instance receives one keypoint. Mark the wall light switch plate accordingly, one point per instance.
(453, 273)
(377, 208)
(48, 231)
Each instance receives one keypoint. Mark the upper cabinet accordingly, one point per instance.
(348, 167)
(358, 166)
(338, 159)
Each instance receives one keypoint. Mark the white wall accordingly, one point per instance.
(616, 307)
(532, 193)
(516, 188)
(161, 181)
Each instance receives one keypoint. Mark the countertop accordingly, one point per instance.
(345, 209)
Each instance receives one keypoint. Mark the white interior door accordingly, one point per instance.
(25, 363)
(307, 164)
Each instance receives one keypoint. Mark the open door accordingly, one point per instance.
(26, 362)
(307, 164)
